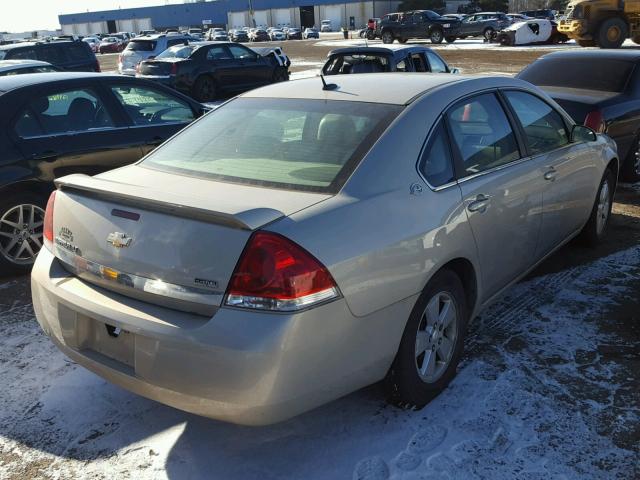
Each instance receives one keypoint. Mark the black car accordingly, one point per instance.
(294, 34)
(259, 35)
(417, 24)
(239, 36)
(409, 58)
(600, 89)
(73, 56)
(208, 70)
(544, 13)
(56, 124)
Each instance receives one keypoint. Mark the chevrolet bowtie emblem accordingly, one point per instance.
(119, 240)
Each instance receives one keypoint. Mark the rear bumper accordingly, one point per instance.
(239, 366)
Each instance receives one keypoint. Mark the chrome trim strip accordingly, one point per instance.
(136, 283)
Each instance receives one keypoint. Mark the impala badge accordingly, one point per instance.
(119, 240)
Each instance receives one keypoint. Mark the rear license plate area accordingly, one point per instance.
(111, 341)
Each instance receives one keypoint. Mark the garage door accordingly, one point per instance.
(143, 24)
(260, 17)
(81, 29)
(97, 27)
(236, 20)
(281, 17)
(334, 13)
(126, 26)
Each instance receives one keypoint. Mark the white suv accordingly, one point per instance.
(144, 48)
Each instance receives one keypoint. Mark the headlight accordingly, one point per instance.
(446, 25)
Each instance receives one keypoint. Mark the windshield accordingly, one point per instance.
(142, 45)
(605, 75)
(310, 145)
(179, 51)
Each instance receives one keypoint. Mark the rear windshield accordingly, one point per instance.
(142, 45)
(179, 51)
(309, 145)
(357, 64)
(605, 75)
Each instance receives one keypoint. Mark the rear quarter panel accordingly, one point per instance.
(381, 242)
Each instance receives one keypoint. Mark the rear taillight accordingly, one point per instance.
(595, 121)
(274, 273)
(47, 228)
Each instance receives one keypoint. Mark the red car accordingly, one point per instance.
(110, 45)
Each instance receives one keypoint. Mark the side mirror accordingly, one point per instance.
(454, 71)
(580, 133)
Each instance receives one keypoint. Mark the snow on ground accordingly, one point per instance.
(541, 394)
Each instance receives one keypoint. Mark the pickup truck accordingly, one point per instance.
(417, 24)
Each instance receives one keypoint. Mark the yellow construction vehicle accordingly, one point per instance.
(605, 23)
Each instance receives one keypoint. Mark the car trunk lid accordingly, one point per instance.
(157, 67)
(578, 103)
(171, 240)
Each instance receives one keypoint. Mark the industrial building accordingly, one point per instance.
(229, 14)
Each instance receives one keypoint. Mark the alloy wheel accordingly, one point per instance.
(436, 337)
(604, 206)
(21, 230)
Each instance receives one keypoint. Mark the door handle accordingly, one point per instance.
(550, 174)
(47, 156)
(479, 204)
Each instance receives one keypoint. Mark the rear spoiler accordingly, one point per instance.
(166, 202)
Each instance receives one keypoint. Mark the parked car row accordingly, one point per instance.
(507, 29)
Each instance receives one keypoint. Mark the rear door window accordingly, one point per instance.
(543, 126)
(482, 134)
(54, 54)
(77, 52)
(218, 53)
(436, 163)
(147, 106)
(67, 111)
(436, 64)
(22, 53)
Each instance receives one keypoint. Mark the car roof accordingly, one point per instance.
(388, 49)
(13, 82)
(10, 64)
(387, 88)
(618, 54)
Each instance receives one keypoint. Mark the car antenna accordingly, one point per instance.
(327, 86)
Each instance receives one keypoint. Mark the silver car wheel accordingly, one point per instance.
(436, 337)
(21, 230)
(604, 206)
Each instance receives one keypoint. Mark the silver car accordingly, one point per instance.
(303, 241)
(148, 47)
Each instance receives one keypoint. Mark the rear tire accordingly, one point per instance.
(612, 33)
(596, 228)
(630, 171)
(387, 37)
(436, 36)
(280, 75)
(13, 236)
(431, 345)
(204, 89)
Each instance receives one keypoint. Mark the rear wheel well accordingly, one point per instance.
(41, 189)
(464, 269)
(614, 167)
